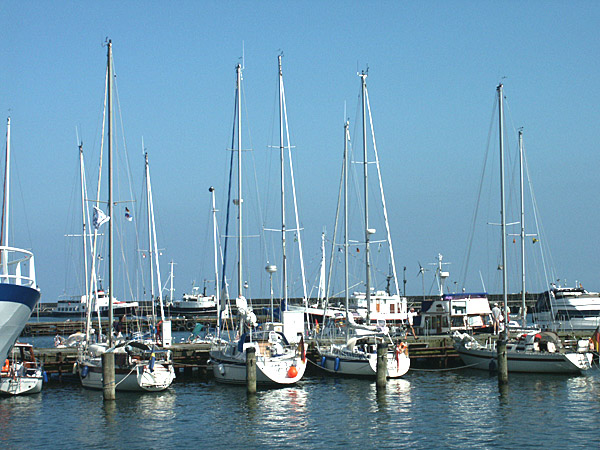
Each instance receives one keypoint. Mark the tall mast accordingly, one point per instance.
(503, 206)
(6, 200)
(150, 240)
(217, 297)
(363, 77)
(110, 195)
(171, 278)
(346, 281)
(239, 199)
(523, 305)
(282, 162)
(84, 224)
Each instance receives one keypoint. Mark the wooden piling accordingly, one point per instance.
(381, 365)
(502, 359)
(108, 375)
(251, 370)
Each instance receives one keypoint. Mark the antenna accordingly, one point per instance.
(243, 56)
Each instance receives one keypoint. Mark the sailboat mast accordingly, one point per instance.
(503, 209)
(110, 195)
(363, 77)
(217, 296)
(5, 203)
(84, 224)
(282, 162)
(523, 305)
(150, 252)
(346, 278)
(239, 199)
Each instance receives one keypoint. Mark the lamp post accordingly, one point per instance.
(271, 269)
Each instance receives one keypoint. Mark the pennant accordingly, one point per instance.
(128, 215)
(535, 240)
(99, 218)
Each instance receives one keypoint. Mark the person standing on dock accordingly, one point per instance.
(411, 315)
(496, 317)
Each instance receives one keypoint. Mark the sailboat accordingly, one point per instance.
(529, 352)
(358, 355)
(139, 365)
(18, 289)
(278, 361)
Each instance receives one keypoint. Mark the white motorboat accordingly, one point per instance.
(567, 308)
(535, 352)
(21, 372)
(77, 306)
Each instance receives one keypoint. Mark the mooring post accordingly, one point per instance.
(381, 365)
(502, 359)
(108, 375)
(251, 370)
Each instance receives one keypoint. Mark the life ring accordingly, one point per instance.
(6, 366)
(402, 348)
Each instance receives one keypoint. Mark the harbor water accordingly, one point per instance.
(424, 410)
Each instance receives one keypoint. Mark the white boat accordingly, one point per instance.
(532, 352)
(77, 306)
(18, 289)
(357, 356)
(535, 352)
(567, 309)
(21, 373)
(280, 360)
(139, 366)
(193, 304)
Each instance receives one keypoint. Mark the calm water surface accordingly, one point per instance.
(424, 410)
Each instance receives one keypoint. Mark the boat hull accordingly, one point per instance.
(16, 304)
(21, 385)
(524, 361)
(136, 378)
(274, 371)
(397, 364)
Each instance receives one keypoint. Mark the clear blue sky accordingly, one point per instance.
(433, 70)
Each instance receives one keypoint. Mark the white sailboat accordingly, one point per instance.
(358, 355)
(139, 366)
(278, 362)
(18, 289)
(530, 352)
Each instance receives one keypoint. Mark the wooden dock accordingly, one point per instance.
(191, 360)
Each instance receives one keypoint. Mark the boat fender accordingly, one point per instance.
(337, 364)
(45, 376)
(492, 366)
(151, 363)
(292, 372)
(84, 371)
(74, 370)
(323, 359)
(221, 369)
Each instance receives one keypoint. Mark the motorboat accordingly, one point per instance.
(567, 309)
(21, 372)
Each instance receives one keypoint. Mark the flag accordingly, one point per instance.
(128, 215)
(535, 240)
(595, 340)
(99, 217)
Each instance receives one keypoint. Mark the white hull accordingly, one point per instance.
(135, 378)
(14, 314)
(229, 366)
(527, 361)
(363, 364)
(21, 385)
